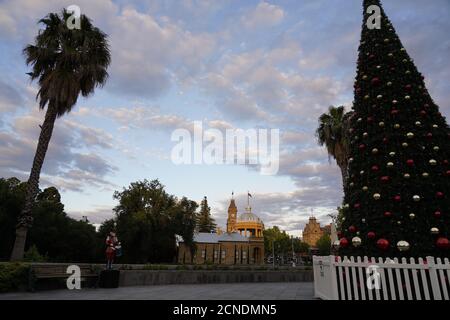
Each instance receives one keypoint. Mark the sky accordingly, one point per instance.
(230, 64)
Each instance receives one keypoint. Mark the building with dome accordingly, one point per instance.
(242, 243)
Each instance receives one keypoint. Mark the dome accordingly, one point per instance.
(249, 216)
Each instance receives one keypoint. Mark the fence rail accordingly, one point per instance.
(377, 279)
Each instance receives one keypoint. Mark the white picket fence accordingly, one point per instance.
(378, 279)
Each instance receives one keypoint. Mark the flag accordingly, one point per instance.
(249, 194)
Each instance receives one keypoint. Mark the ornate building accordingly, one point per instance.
(313, 231)
(242, 243)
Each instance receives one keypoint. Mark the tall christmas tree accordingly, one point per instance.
(397, 197)
(205, 222)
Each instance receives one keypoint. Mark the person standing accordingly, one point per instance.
(111, 243)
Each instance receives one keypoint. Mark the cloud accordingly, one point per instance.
(263, 15)
(10, 98)
(150, 54)
(66, 165)
(96, 215)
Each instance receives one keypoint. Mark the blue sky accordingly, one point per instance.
(230, 64)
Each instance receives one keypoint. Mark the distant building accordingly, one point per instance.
(313, 231)
(242, 243)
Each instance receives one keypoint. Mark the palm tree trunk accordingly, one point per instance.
(25, 219)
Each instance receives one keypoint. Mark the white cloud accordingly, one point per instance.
(263, 15)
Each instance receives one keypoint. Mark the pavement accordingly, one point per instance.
(228, 291)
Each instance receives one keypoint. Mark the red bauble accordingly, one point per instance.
(385, 140)
(439, 194)
(375, 81)
(410, 162)
(385, 179)
(429, 135)
(382, 244)
(443, 243)
(423, 113)
(448, 173)
(356, 205)
(437, 214)
(372, 56)
(362, 146)
(352, 229)
(426, 105)
(375, 168)
(387, 214)
(371, 235)
(408, 87)
(394, 112)
(445, 162)
(339, 234)
(397, 198)
(369, 119)
(343, 242)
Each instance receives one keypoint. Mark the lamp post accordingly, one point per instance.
(273, 253)
(293, 254)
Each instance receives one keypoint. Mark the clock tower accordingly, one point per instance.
(232, 213)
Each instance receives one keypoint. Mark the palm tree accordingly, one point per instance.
(332, 133)
(66, 63)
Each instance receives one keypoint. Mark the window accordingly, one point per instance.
(216, 254)
(244, 255)
(203, 253)
(224, 254)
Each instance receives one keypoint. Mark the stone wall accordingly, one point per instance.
(164, 277)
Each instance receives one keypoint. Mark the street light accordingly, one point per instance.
(273, 253)
(293, 254)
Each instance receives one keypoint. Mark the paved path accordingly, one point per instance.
(231, 291)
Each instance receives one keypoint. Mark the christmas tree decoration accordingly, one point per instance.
(403, 245)
(371, 235)
(336, 244)
(343, 243)
(356, 241)
(434, 230)
(400, 168)
(383, 244)
(443, 243)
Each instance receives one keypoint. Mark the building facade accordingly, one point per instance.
(241, 244)
(313, 231)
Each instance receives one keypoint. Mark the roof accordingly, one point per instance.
(206, 237)
(249, 216)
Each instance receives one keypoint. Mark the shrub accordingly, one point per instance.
(33, 255)
(13, 276)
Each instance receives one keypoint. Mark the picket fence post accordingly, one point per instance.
(434, 279)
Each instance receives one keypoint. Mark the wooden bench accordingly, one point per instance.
(58, 272)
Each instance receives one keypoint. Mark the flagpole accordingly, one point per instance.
(248, 199)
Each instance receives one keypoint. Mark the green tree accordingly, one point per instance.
(396, 199)
(205, 222)
(148, 218)
(332, 133)
(66, 63)
(324, 245)
(53, 234)
(282, 241)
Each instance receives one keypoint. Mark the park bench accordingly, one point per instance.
(56, 275)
